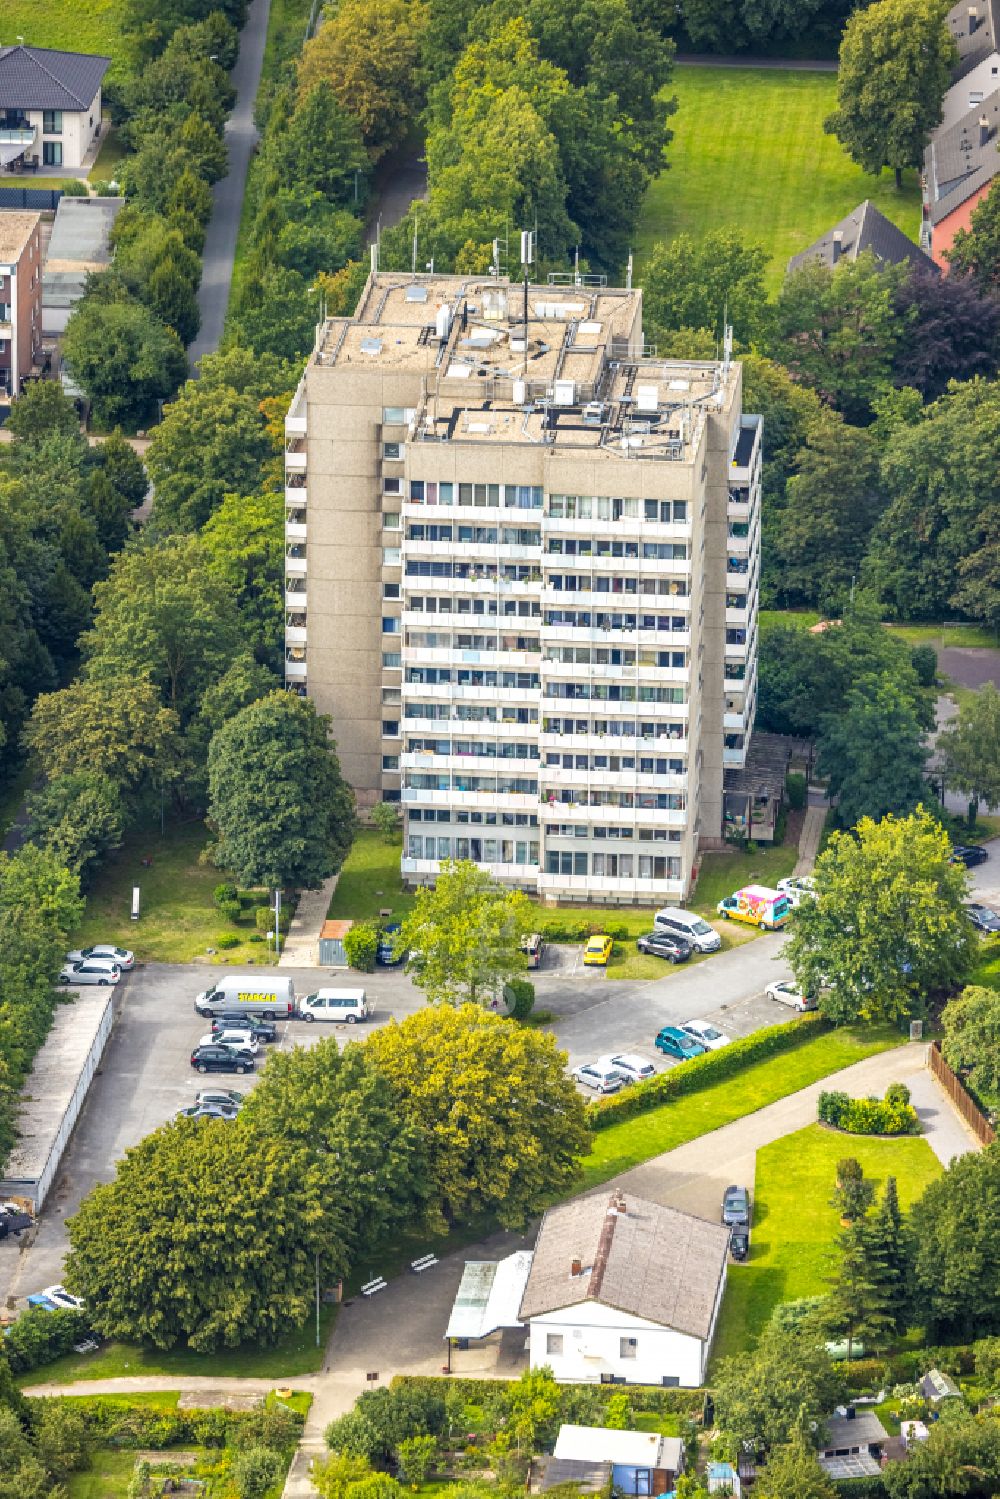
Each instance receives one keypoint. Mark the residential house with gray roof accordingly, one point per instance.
(624, 1291)
(50, 107)
(960, 165)
(866, 228)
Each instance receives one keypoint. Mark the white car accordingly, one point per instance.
(787, 992)
(636, 1069)
(708, 1035)
(798, 887)
(120, 956)
(601, 1077)
(62, 1298)
(91, 971)
(243, 1040)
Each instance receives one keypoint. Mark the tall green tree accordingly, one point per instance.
(891, 1256)
(78, 817)
(837, 330)
(124, 358)
(857, 1307)
(42, 409)
(960, 1456)
(792, 1471)
(971, 1042)
(873, 755)
(765, 1396)
(502, 1124)
(163, 1257)
(888, 929)
(969, 747)
(283, 811)
(72, 734)
(244, 541)
(704, 283)
(212, 441)
(956, 1276)
(896, 62)
(465, 935)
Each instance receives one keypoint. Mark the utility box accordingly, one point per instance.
(331, 944)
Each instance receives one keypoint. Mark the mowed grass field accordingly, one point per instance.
(749, 152)
(794, 1234)
(69, 25)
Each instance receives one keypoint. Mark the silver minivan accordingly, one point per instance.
(342, 1006)
(686, 924)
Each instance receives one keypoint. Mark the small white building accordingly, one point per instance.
(642, 1462)
(624, 1292)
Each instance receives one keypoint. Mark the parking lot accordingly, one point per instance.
(145, 1074)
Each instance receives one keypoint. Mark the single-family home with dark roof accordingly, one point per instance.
(866, 228)
(50, 106)
(624, 1291)
(959, 167)
(975, 28)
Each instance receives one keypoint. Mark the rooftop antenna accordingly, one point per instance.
(727, 348)
(628, 273)
(413, 264)
(576, 266)
(527, 258)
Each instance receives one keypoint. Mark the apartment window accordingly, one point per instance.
(52, 122)
(396, 416)
(554, 1343)
(390, 590)
(628, 1347)
(390, 728)
(52, 153)
(390, 794)
(390, 520)
(390, 625)
(390, 762)
(392, 450)
(391, 658)
(390, 556)
(392, 486)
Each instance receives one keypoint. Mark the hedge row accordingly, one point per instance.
(670, 1402)
(136, 1427)
(872, 1374)
(869, 1487)
(38, 1336)
(701, 1072)
(579, 931)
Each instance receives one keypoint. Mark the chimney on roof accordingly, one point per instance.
(838, 244)
(984, 131)
(576, 1265)
(973, 20)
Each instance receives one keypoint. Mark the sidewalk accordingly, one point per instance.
(301, 949)
(809, 839)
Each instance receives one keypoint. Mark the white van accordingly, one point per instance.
(678, 923)
(338, 1005)
(251, 993)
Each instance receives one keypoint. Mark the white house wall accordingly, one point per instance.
(591, 1335)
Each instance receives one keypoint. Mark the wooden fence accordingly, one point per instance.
(959, 1095)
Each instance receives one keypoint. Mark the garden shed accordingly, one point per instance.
(331, 944)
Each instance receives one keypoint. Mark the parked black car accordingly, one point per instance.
(221, 1059)
(662, 945)
(234, 1020)
(739, 1243)
(969, 854)
(386, 953)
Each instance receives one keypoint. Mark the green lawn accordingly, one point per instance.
(370, 880)
(73, 25)
(108, 1476)
(112, 153)
(178, 922)
(722, 873)
(792, 1245)
(938, 635)
(749, 152)
(296, 1353)
(635, 1140)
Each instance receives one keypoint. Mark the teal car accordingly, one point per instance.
(674, 1043)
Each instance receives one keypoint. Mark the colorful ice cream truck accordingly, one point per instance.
(757, 906)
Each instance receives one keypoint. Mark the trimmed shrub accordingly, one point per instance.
(226, 940)
(225, 893)
(795, 790)
(701, 1072)
(361, 946)
(924, 661)
(38, 1337)
(136, 1427)
(579, 931)
(231, 910)
(263, 917)
(520, 996)
(892, 1115)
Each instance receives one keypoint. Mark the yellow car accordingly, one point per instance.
(598, 951)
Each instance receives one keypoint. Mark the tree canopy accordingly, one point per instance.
(464, 935)
(971, 1043)
(888, 929)
(969, 747)
(956, 1274)
(768, 1395)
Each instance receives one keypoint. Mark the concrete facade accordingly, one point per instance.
(521, 577)
(20, 298)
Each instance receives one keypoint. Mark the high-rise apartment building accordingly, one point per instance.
(521, 577)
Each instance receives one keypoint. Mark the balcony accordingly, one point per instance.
(557, 811)
(295, 456)
(611, 745)
(17, 135)
(295, 530)
(295, 598)
(469, 765)
(556, 776)
(596, 887)
(747, 450)
(478, 586)
(295, 562)
(295, 634)
(521, 874)
(472, 551)
(295, 671)
(465, 728)
(295, 496)
(429, 691)
(507, 801)
(734, 757)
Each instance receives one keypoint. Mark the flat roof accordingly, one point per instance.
(49, 1087)
(16, 228)
(81, 234)
(639, 1449)
(489, 1296)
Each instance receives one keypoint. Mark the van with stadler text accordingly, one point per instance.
(250, 994)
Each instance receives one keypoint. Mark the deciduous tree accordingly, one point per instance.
(765, 1396)
(955, 1269)
(896, 60)
(502, 1124)
(689, 283)
(212, 441)
(79, 818)
(368, 51)
(72, 734)
(284, 813)
(969, 746)
(888, 929)
(954, 335)
(124, 358)
(873, 756)
(971, 1042)
(464, 935)
(792, 1471)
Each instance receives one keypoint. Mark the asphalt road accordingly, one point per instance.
(145, 1075)
(227, 194)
